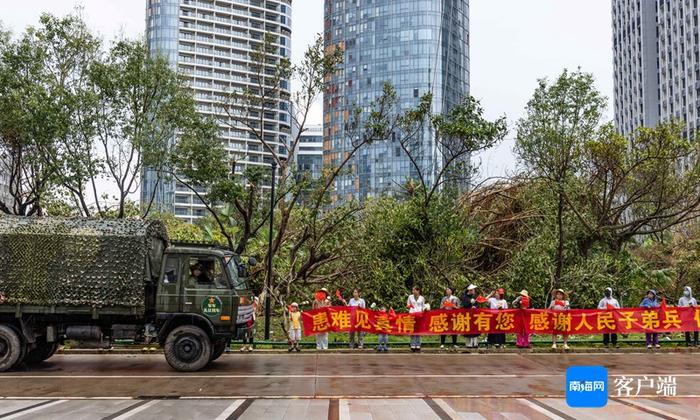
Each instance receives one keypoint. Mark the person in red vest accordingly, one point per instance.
(449, 302)
(321, 300)
(522, 302)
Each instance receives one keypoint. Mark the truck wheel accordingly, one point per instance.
(23, 352)
(41, 352)
(219, 348)
(188, 348)
(10, 348)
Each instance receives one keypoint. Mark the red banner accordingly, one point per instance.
(488, 321)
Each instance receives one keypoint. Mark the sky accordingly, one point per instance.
(513, 44)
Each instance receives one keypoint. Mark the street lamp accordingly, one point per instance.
(268, 280)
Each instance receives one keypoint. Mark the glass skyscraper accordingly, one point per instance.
(210, 42)
(417, 46)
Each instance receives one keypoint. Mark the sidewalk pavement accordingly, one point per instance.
(430, 350)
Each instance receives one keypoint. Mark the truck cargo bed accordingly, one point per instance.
(54, 265)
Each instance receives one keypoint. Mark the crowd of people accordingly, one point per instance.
(416, 303)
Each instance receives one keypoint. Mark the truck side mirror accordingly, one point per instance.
(252, 262)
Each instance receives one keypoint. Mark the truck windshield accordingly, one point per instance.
(232, 268)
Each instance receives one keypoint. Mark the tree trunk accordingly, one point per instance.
(560, 241)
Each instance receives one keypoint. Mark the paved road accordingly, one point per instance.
(345, 409)
(339, 386)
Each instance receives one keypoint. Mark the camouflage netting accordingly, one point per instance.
(78, 262)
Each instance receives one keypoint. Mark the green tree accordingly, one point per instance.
(42, 85)
(559, 119)
(77, 121)
(636, 187)
(140, 103)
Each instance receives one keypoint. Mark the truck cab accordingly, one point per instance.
(205, 287)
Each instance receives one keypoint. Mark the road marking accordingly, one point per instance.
(229, 410)
(330, 397)
(542, 408)
(344, 409)
(31, 409)
(131, 410)
(439, 411)
(238, 412)
(448, 409)
(388, 376)
(646, 409)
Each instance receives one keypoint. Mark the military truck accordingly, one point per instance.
(97, 281)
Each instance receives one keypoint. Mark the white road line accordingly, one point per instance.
(229, 410)
(33, 410)
(539, 409)
(449, 410)
(314, 397)
(390, 376)
(136, 410)
(344, 409)
(649, 408)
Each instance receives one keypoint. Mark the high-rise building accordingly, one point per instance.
(210, 43)
(309, 154)
(656, 63)
(416, 45)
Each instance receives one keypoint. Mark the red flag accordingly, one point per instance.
(480, 299)
(289, 308)
(448, 304)
(338, 295)
(559, 302)
(392, 313)
(663, 303)
(409, 306)
(611, 306)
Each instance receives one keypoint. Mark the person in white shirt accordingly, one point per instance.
(357, 302)
(496, 300)
(688, 300)
(416, 305)
(609, 302)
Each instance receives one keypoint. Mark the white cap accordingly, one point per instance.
(471, 287)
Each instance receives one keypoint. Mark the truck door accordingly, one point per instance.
(207, 290)
(169, 287)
